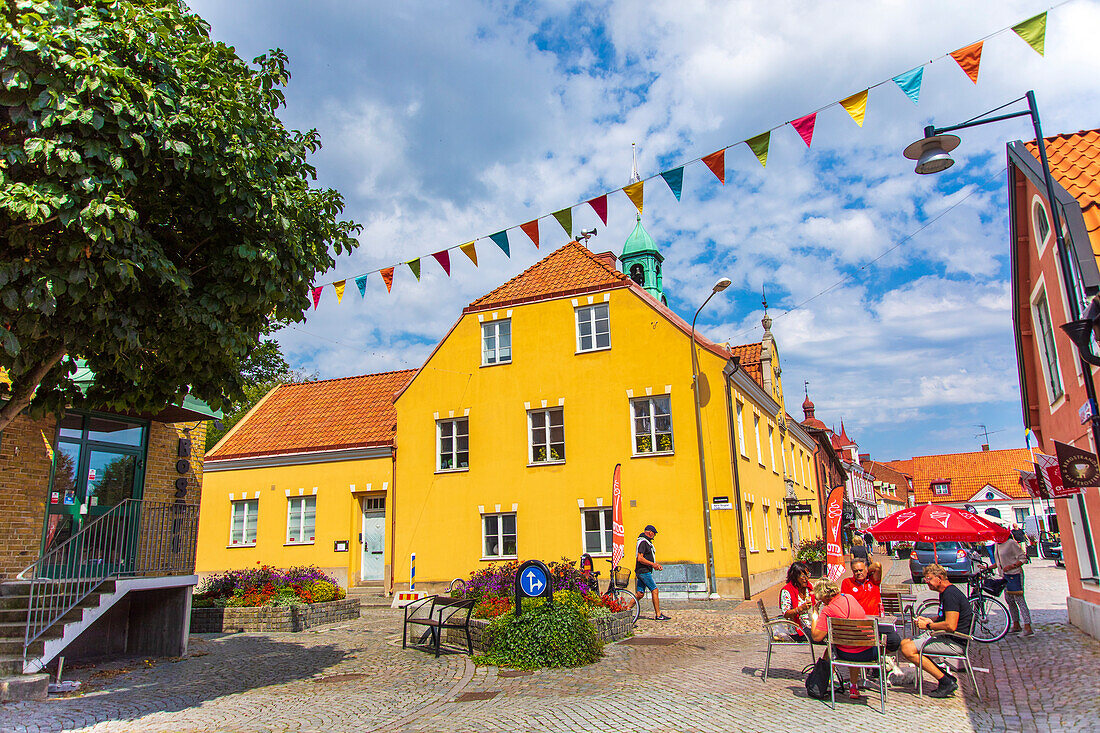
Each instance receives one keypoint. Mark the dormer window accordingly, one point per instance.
(941, 488)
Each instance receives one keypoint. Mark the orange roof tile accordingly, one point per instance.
(568, 270)
(351, 412)
(1075, 163)
(967, 473)
(750, 360)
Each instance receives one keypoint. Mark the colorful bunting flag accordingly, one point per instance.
(501, 240)
(531, 229)
(716, 161)
(599, 205)
(317, 295)
(444, 260)
(856, 106)
(969, 59)
(759, 147)
(414, 265)
(675, 180)
(339, 288)
(635, 192)
(565, 218)
(805, 127)
(1034, 31)
(387, 277)
(469, 250)
(361, 283)
(910, 81)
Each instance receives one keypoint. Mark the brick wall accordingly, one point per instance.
(272, 618)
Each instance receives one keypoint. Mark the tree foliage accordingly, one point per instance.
(155, 214)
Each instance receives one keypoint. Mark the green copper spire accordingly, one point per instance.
(642, 260)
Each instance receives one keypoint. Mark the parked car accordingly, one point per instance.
(951, 555)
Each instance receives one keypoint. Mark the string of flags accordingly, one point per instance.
(968, 58)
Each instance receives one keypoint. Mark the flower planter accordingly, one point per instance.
(272, 618)
(817, 568)
(615, 627)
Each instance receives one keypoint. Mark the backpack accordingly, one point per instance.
(817, 683)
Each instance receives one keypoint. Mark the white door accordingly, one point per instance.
(374, 542)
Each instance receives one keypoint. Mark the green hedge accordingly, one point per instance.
(545, 635)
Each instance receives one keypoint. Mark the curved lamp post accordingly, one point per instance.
(719, 286)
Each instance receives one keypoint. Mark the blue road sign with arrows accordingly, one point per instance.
(532, 581)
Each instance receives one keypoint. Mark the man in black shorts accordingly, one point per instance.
(955, 615)
(644, 566)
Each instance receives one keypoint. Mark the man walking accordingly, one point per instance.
(644, 566)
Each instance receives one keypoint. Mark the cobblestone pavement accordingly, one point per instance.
(695, 673)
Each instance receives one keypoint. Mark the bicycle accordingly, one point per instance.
(616, 586)
(991, 619)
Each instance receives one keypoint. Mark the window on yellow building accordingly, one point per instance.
(453, 444)
(547, 431)
(782, 527)
(741, 429)
(652, 424)
(756, 428)
(499, 535)
(771, 445)
(301, 519)
(597, 531)
(242, 522)
(593, 327)
(749, 536)
(496, 342)
(768, 529)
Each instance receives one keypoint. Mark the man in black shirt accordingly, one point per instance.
(955, 615)
(644, 566)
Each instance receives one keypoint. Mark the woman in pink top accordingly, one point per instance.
(839, 605)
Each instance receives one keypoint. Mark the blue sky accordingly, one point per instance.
(443, 122)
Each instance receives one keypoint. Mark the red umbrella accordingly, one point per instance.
(937, 523)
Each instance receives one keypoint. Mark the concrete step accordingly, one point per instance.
(19, 615)
(24, 687)
(14, 647)
(11, 664)
(17, 629)
(21, 602)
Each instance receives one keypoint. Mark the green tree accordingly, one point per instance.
(155, 214)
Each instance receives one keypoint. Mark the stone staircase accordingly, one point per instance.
(370, 593)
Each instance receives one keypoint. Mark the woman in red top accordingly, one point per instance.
(841, 605)
(796, 600)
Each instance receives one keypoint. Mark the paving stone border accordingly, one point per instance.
(273, 618)
(615, 627)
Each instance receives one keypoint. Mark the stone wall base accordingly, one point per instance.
(1084, 615)
(272, 618)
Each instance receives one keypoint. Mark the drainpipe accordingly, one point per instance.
(735, 452)
(391, 507)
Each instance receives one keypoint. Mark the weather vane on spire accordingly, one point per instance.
(764, 299)
(806, 385)
(634, 177)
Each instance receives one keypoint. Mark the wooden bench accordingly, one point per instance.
(437, 613)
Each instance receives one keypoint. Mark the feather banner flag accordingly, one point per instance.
(470, 251)
(531, 229)
(635, 192)
(675, 180)
(361, 283)
(716, 161)
(856, 106)
(443, 257)
(599, 205)
(501, 240)
(565, 218)
(414, 265)
(910, 81)
(1034, 31)
(317, 295)
(759, 147)
(805, 127)
(969, 59)
(339, 288)
(387, 277)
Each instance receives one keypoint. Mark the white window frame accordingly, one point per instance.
(1051, 372)
(783, 450)
(493, 357)
(748, 527)
(296, 513)
(1038, 205)
(500, 536)
(532, 447)
(782, 526)
(590, 314)
(767, 530)
(936, 485)
(771, 446)
(605, 518)
(244, 505)
(651, 408)
(741, 428)
(759, 450)
(454, 438)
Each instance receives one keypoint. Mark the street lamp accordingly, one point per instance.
(722, 284)
(932, 154)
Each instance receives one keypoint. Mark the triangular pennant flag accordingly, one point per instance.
(1034, 31)
(759, 146)
(635, 192)
(444, 260)
(599, 205)
(716, 161)
(387, 277)
(531, 229)
(414, 265)
(317, 295)
(969, 59)
(469, 250)
(361, 283)
(910, 83)
(565, 218)
(856, 106)
(501, 240)
(339, 288)
(805, 127)
(675, 180)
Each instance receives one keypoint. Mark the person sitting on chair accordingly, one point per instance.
(839, 605)
(796, 600)
(864, 587)
(955, 615)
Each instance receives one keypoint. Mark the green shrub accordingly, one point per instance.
(546, 635)
(323, 590)
(198, 602)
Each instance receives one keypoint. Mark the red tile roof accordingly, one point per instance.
(352, 412)
(1075, 163)
(967, 473)
(750, 360)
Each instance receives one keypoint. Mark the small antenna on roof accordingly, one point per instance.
(634, 177)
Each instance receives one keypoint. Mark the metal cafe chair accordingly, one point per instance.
(858, 632)
(964, 658)
(780, 631)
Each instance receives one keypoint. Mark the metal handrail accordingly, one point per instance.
(134, 538)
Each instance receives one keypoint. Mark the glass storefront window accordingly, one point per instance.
(72, 426)
(114, 431)
(110, 478)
